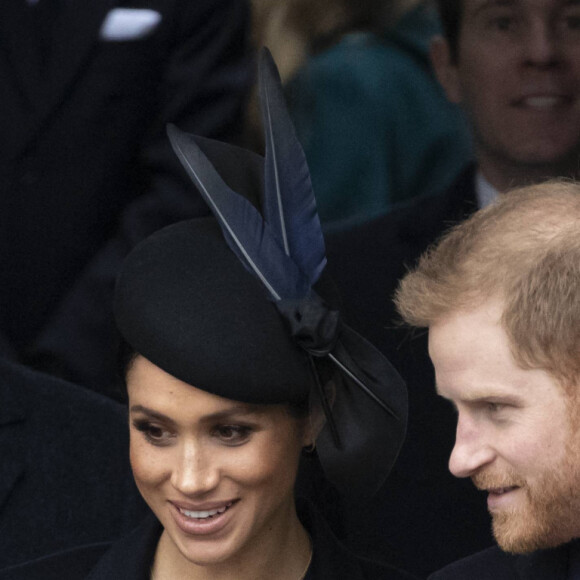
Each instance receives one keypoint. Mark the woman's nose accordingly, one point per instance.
(197, 471)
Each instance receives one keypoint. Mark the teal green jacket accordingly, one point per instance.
(375, 124)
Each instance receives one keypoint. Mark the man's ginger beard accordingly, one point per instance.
(551, 513)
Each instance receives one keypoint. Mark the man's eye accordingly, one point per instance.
(233, 434)
(154, 434)
(572, 22)
(503, 23)
(494, 407)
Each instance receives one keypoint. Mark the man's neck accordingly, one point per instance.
(504, 175)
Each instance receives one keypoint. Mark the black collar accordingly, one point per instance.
(543, 564)
(131, 558)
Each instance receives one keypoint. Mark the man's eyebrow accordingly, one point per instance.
(475, 394)
(484, 396)
(487, 4)
(490, 396)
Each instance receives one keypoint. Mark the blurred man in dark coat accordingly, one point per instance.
(65, 478)
(87, 89)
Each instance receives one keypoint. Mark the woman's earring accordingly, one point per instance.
(309, 449)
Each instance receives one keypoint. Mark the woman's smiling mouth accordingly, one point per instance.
(205, 514)
(209, 520)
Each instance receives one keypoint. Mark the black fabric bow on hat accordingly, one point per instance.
(283, 248)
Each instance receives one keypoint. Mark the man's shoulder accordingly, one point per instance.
(490, 564)
(416, 222)
(494, 564)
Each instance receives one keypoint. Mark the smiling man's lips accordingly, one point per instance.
(499, 497)
(501, 490)
(544, 102)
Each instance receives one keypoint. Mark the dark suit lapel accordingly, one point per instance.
(544, 564)
(18, 54)
(75, 37)
(429, 216)
(131, 557)
(12, 422)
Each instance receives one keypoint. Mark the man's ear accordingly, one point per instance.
(445, 68)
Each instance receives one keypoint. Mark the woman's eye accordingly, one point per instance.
(233, 434)
(155, 434)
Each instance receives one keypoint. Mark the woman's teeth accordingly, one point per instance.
(201, 515)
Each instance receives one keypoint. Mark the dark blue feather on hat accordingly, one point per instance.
(283, 248)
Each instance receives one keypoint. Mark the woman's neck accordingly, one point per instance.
(281, 550)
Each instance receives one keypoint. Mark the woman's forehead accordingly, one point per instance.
(152, 391)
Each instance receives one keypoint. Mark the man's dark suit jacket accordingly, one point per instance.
(423, 518)
(84, 136)
(493, 564)
(65, 478)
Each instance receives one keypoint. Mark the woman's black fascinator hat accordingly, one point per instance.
(242, 320)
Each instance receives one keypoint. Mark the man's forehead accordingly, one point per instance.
(475, 6)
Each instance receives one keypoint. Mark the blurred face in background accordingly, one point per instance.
(218, 474)
(517, 75)
(517, 431)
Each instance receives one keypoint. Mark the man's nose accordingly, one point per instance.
(541, 45)
(471, 450)
(196, 472)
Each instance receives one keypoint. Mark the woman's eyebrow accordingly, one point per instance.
(151, 413)
(236, 410)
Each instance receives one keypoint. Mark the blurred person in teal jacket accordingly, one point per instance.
(375, 124)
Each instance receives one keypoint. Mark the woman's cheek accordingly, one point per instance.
(148, 468)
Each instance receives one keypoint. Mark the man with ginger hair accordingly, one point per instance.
(513, 66)
(500, 296)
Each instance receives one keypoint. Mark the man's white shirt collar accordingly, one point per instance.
(485, 192)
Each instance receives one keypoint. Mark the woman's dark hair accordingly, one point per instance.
(126, 355)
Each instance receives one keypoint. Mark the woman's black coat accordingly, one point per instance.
(131, 558)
